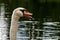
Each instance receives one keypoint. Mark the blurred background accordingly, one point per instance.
(45, 12)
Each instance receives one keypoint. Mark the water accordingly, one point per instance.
(3, 23)
(29, 30)
(49, 31)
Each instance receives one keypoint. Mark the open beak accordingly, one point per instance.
(27, 14)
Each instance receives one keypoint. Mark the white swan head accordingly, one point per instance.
(22, 12)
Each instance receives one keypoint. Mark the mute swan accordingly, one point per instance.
(17, 13)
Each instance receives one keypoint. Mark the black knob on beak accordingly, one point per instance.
(23, 10)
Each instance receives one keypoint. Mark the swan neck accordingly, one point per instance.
(14, 27)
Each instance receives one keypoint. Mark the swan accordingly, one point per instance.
(17, 13)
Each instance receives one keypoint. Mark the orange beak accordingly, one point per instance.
(27, 14)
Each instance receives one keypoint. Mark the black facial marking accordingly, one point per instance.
(23, 10)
